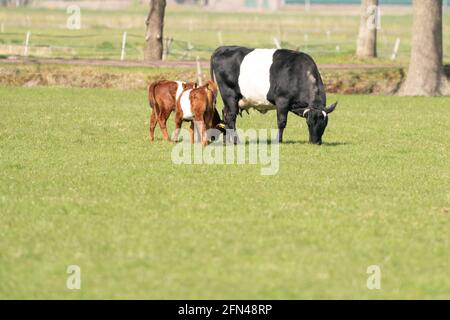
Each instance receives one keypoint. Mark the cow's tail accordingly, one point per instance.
(211, 69)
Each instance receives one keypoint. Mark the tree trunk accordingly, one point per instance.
(367, 38)
(155, 26)
(426, 72)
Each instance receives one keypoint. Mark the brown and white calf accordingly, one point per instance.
(198, 106)
(162, 97)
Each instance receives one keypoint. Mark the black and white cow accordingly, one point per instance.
(271, 79)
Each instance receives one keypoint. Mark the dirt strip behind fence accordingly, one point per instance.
(169, 63)
(344, 79)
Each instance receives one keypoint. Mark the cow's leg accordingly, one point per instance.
(282, 113)
(230, 112)
(153, 121)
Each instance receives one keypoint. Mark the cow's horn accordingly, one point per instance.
(324, 114)
(305, 112)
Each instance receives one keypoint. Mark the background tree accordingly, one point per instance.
(155, 25)
(426, 72)
(15, 3)
(367, 37)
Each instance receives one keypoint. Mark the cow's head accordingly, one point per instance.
(317, 120)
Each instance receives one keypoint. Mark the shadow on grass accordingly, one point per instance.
(300, 142)
(326, 144)
(336, 144)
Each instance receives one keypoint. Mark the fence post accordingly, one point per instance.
(169, 46)
(396, 47)
(306, 39)
(280, 32)
(167, 42)
(219, 37)
(199, 72)
(307, 5)
(277, 43)
(27, 41)
(124, 43)
(189, 47)
(164, 53)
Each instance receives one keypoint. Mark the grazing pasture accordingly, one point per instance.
(81, 184)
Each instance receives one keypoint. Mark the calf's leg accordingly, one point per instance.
(199, 118)
(153, 121)
(178, 122)
(162, 119)
(191, 132)
(203, 134)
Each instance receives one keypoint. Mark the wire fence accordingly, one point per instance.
(73, 46)
(131, 46)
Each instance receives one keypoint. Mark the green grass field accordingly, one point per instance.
(81, 185)
(100, 35)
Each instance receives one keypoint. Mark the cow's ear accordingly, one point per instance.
(331, 108)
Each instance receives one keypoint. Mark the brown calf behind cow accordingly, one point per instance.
(162, 97)
(191, 103)
(198, 106)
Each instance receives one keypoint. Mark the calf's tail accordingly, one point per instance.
(212, 95)
(151, 95)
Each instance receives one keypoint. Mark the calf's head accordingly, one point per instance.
(317, 120)
(189, 85)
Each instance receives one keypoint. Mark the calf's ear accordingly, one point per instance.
(331, 108)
